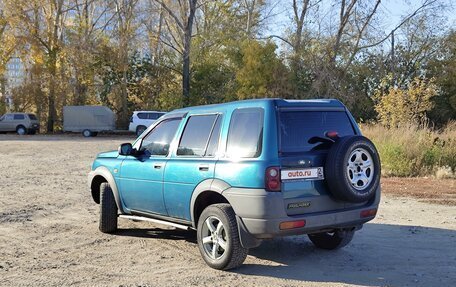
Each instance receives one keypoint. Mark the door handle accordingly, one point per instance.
(203, 167)
(158, 166)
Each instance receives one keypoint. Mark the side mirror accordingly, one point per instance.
(125, 149)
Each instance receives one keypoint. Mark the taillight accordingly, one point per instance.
(292, 224)
(368, 213)
(272, 178)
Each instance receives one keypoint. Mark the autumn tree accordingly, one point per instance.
(409, 105)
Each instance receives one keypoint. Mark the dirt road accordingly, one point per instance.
(49, 235)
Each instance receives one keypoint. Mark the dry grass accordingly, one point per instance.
(412, 151)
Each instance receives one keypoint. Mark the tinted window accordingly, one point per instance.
(196, 135)
(32, 117)
(212, 147)
(142, 116)
(245, 135)
(155, 116)
(19, 117)
(298, 127)
(157, 142)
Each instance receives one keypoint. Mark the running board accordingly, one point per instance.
(134, 217)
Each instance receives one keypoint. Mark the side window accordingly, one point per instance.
(142, 116)
(9, 117)
(212, 147)
(19, 117)
(245, 135)
(196, 135)
(32, 117)
(157, 142)
(154, 116)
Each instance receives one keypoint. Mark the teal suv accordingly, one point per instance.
(242, 172)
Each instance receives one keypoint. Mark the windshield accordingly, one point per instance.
(298, 127)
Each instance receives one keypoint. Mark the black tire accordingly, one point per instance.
(342, 183)
(86, 133)
(234, 254)
(140, 130)
(108, 209)
(331, 241)
(21, 130)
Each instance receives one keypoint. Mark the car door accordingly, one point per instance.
(7, 123)
(192, 162)
(141, 176)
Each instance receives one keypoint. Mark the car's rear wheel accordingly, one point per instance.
(218, 237)
(21, 130)
(332, 240)
(108, 209)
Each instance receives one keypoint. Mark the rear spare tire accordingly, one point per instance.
(352, 169)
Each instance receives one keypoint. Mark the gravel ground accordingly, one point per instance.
(49, 235)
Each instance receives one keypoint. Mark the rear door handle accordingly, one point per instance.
(203, 167)
(158, 166)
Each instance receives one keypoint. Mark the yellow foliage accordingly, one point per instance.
(398, 106)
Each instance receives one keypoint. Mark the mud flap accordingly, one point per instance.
(247, 240)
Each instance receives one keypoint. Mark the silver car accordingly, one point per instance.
(21, 123)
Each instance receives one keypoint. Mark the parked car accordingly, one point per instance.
(141, 120)
(21, 123)
(242, 172)
(88, 120)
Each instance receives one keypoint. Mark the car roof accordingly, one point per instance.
(136, 112)
(324, 103)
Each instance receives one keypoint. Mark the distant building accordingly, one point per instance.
(14, 77)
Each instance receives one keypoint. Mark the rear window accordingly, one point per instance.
(32, 117)
(298, 127)
(245, 135)
(19, 117)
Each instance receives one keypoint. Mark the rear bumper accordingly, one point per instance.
(260, 214)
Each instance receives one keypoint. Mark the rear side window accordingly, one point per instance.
(298, 127)
(142, 116)
(245, 135)
(157, 142)
(154, 116)
(32, 117)
(19, 117)
(196, 135)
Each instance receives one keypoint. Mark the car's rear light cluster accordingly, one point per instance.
(292, 224)
(368, 213)
(272, 177)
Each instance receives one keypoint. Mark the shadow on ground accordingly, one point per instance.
(379, 255)
(172, 234)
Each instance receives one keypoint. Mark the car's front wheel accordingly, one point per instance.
(332, 240)
(218, 237)
(108, 209)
